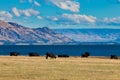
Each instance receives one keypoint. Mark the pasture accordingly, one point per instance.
(73, 68)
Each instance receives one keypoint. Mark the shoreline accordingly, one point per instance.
(98, 57)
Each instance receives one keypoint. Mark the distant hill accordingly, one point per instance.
(92, 35)
(15, 34)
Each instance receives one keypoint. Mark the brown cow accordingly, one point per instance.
(51, 55)
(63, 55)
(33, 54)
(86, 54)
(14, 53)
(113, 57)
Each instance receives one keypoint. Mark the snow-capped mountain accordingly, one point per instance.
(13, 33)
(92, 35)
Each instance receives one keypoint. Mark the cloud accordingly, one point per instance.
(36, 3)
(5, 15)
(31, 2)
(52, 18)
(32, 11)
(73, 19)
(16, 11)
(23, 1)
(112, 21)
(26, 12)
(79, 18)
(67, 5)
(39, 17)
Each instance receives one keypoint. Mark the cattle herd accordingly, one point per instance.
(52, 55)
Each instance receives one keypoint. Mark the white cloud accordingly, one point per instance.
(39, 17)
(77, 18)
(53, 18)
(31, 2)
(29, 12)
(23, 1)
(5, 15)
(73, 19)
(67, 5)
(26, 12)
(112, 21)
(36, 3)
(16, 11)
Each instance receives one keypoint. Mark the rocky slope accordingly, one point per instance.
(13, 34)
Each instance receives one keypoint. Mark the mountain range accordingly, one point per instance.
(15, 34)
(92, 35)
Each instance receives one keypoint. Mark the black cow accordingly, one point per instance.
(33, 54)
(113, 57)
(51, 55)
(63, 55)
(14, 53)
(86, 54)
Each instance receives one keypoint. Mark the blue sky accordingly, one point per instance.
(62, 13)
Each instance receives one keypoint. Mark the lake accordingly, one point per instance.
(73, 50)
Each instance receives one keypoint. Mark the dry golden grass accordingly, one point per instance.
(73, 68)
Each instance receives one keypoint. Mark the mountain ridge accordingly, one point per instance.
(92, 35)
(14, 34)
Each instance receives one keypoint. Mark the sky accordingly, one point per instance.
(62, 13)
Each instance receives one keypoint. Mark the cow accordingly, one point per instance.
(86, 54)
(14, 53)
(51, 55)
(63, 55)
(113, 57)
(33, 54)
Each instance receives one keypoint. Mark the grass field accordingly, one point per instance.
(73, 68)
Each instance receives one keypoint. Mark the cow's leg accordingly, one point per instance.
(46, 57)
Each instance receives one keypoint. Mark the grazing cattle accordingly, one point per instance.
(14, 53)
(63, 55)
(51, 55)
(113, 57)
(86, 54)
(33, 54)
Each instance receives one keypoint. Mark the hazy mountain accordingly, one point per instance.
(13, 33)
(92, 35)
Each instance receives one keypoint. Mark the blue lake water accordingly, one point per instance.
(73, 50)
